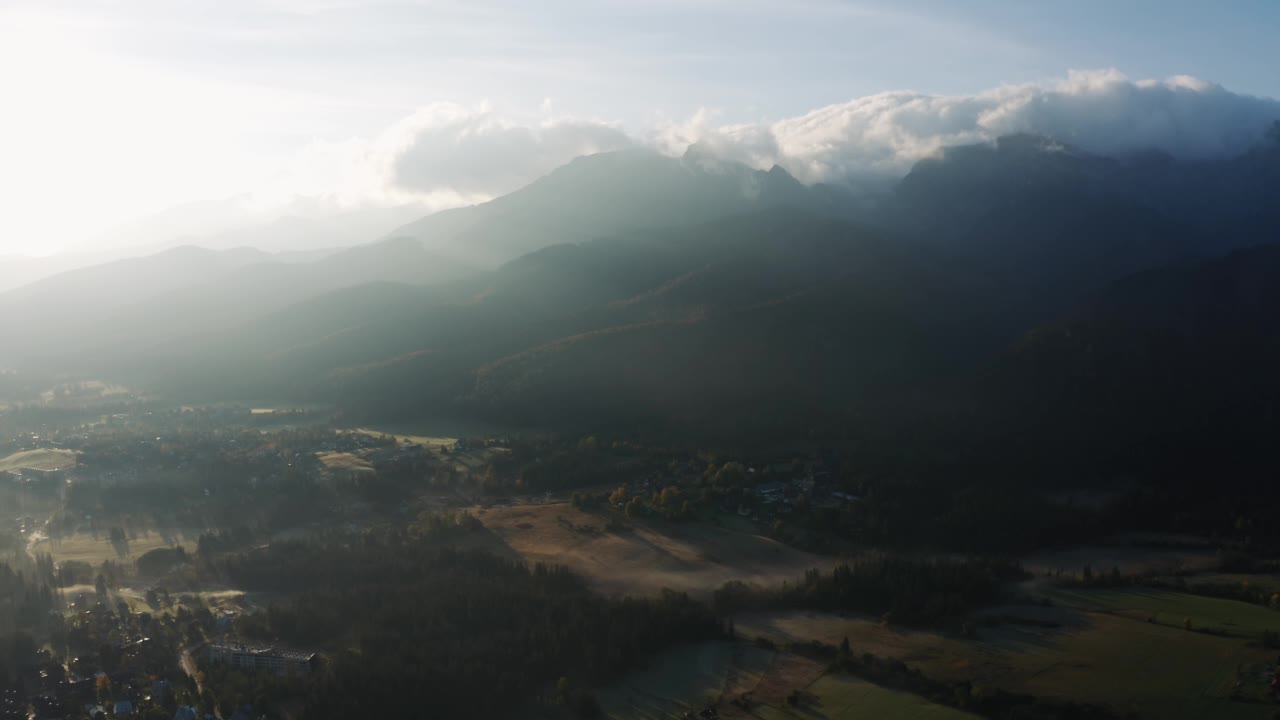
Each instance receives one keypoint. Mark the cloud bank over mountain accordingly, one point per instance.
(1099, 112)
(446, 155)
(478, 152)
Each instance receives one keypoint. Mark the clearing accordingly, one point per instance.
(84, 547)
(344, 462)
(647, 556)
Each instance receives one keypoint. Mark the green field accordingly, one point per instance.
(1172, 608)
(1100, 648)
(44, 459)
(1155, 670)
(843, 697)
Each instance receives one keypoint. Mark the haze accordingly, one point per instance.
(147, 123)
(801, 360)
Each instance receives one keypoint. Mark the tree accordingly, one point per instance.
(586, 707)
(619, 496)
(563, 688)
(634, 507)
(731, 475)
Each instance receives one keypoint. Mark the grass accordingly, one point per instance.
(1103, 650)
(1229, 617)
(423, 440)
(680, 680)
(840, 697)
(84, 547)
(687, 679)
(1132, 665)
(646, 557)
(344, 461)
(43, 459)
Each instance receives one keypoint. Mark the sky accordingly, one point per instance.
(127, 122)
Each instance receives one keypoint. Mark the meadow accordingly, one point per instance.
(843, 697)
(1125, 648)
(84, 547)
(643, 558)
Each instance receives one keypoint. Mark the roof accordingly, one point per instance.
(262, 650)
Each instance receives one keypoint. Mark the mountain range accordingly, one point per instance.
(635, 289)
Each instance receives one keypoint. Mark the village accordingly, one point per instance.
(121, 517)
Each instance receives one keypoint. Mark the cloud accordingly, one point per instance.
(1101, 112)
(445, 155)
(478, 152)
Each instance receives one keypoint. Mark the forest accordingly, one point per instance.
(411, 624)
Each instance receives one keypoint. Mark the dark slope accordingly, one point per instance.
(1172, 368)
(751, 312)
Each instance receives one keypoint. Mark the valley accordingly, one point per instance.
(997, 444)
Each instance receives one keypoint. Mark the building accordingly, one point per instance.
(255, 659)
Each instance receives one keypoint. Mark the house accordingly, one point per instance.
(11, 708)
(771, 492)
(248, 657)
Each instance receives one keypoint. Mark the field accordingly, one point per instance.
(643, 559)
(688, 679)
(1161, 671)
(842, 697)
(45, 459)
(683, 679)
(344, 462)
(1227, 617)
(430, 441)
(1091, 645)
(84, 547)
(934, 653)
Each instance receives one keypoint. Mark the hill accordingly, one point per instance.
(609, 194)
